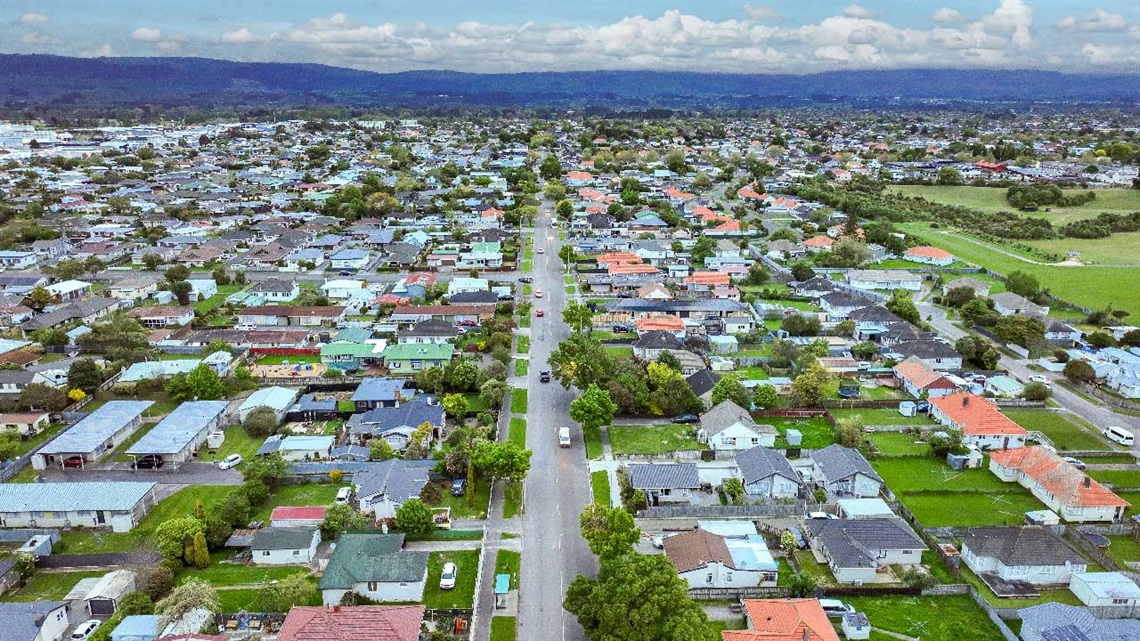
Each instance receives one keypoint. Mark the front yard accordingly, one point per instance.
(460, 508)
(1065, 434)
(931, 618)
(653, 439)
(463, 594)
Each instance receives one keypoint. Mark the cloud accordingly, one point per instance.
(1013, 17)
(103, 51)
(1101, 55)
(34, 18)
(1097, 20)
(762, 13)
(146, 34)
(946, 14)
(858, 11)
(33, 38)
(169, 46)
(242, 36)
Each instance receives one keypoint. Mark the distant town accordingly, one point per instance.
(793, 376)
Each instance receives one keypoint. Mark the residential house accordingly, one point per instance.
(376, 567)
(920, 381)
(928, 255)
(839, 305)
(69, 291)
(767, 473)
(1064, 489)
(1109, 595)
(350, 259)
(843, 471)
(14, 381)
(119, 505)
(84, 311)
(783, 620)
(665, 483)
(702, 384)
(35, 620)
(862, 550)
(104, 596)
(23, 423)
(432, 330)
(649, 345)
(891, 279)
(134, 289)
(1003, 386)
(278, 399)
(935, 354)
(396, 424)
(380, 392)
(729, 426)
(342, 288)
(298, 516)
(202, 288)
(815, 287)
(284, 545)
(276, 290)
(706, 560)
(348, 623)
(1028, 554)
(407, 359)
(180, 434)
(291, 315)
(1060, 622)
(979, 420)
(298, 448)
(1061, 334)
(383, 487)
(1008, 303)
(153, 316)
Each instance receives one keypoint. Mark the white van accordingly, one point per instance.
(1118, 434)
(834, 608)
(564, 437)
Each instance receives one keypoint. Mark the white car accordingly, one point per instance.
(538, 293)
(84, 630)
(447, 577)
(343, 495)
(1037, 378)
(233, 460)
(540, 251)
(820, 516)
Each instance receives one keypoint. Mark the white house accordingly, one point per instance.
(884, 279)
(349, 259)
(1069, 492)
(1028, 554)
(766, 472)
(342, 288)
(284, 545)
(35, 620)
(202, 288)
(844, 472)
(979, 420)
(1110, 595)
(707, 560)
(862, 550)
(729, 426)
(375, 566)
(928, 255)
(383, 487)
(116, 504)
(10, 259)
(298, 448)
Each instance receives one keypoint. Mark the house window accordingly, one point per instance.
(296, 553)
(728, 577)
(1120, 601)
(708, 577)
(755, 441)
(372, 586)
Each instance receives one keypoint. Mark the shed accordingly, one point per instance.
(38, 545)
(502, 587)
(103, 599)
(856, 626)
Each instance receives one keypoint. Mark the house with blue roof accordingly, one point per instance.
(177, 438)
(380, 392)
(119, 505)
(278, 399)
(92, 437)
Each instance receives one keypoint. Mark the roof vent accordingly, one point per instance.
(1088, 482)
(965, 401)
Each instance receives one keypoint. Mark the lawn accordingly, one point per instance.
(931, 618)
(1124, 479)
(238, 441)
(475, 403)
(181, 503)
(227, 574)
(512, 499)
(1065, 434)
(1134, 499)
(48, 432)
(50, 586)
(463, 594)
(752, 373)
(503, 629)
(593, 442)
(917, 474)
(1093, 287)
(600, 487)
(1123, 548)
(881, 417)
(204, 307)
(299, 495)
(898, 444)
(277, 359)
(245, 599)
(619, 352)
(446, 535)
(1118, 249)
(992, 200)
(817, 432)
(507, 562)
(811, 567)
(518, 401)
(521, 366)
(653, 439)
(461, 509)
(524, 345)
(517, 433)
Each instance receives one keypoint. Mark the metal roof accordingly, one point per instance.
(89, 434)
(179, 429)
(114, 496)
(278, 398)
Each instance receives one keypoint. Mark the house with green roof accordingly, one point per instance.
(409, 358)
(349, 356)
(374, 566)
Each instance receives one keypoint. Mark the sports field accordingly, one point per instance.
(992, 199)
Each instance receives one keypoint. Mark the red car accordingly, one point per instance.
(540, 313)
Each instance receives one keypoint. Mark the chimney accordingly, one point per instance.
(965, 401)
(807, 634)
(1088, 482)
(336, 608)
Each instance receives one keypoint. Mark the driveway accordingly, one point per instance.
(188, 474)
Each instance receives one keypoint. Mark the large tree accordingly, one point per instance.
(84, 374)
(729, 388)
(414, 517)
(579, 317)
(501, 459)
(580, 361)
(193, 594)
(118, 337)
(808, 387)
(201, 383)
(594, 408)
(637, 598)
(341, 517)
(609, 531)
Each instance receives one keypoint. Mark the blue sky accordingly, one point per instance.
(542, 35)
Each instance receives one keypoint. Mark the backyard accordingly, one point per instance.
(50, 586)
(930, 618)
(881, 417)
(817, 432)
(463, 595)
(297, 495)
(653, 439)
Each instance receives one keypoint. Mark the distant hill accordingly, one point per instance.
(30, 80)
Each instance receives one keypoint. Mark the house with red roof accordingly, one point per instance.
(783, 620)
(298, 516)
(928, 255)
(980, 421)
(818, 243)
(350, 623)
(1069, 492)
(918, 379)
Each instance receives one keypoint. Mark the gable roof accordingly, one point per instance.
(784, 620)
(696, 549)
(350, 623)
(20, 619)
(702, 381)
(380, 389)
(976, 415)
(361, 558)
(650, 476)
(726, 414)
(407, 415)
(837, 462)
(1016, 546)
(397, 479)
(854, 543)
(759, 462)
(920, 374)
(1071, 486)
(282, 538)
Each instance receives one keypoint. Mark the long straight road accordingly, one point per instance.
(557, 488)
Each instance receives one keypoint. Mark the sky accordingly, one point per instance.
(485, 36)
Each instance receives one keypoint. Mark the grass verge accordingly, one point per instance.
(600, 487)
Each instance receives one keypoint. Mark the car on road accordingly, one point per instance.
(1075, 462)
(344, 272)
(526, 279)
(147, 462)
(458, 487)
(539, 313)
(540, 250)
(447, 577)
(343, 495)
(84, 630)
(564, 437)
(1038, 378)
(233, 460)
(685, 418)
(544, 376)
(538, 293)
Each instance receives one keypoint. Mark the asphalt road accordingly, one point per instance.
(557, 488)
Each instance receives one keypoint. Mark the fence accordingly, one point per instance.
(1111, 399)
(717, 594)
(722, 511)
(1078, 538)
(997, 615)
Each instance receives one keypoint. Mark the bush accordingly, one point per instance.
(1036, 391)
(157, 583)
(432, 494)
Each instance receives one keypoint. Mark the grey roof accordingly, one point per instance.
(310, 403)
(1016, 546)
(703, 381)
(759, 462)
(473, 297)
(875, 313)
(726, 414)
(855, 543)
(273, 285)
(722, 305)
(924, 349)
(430, 327)
(1059, 622)
(91, 433)
(380, 389)
(840, 299)
(660, 476)
(658, 340)
(20, 619)
(837, 462)
(16, 376)
(409, 415)
(71, 311)
(360, 558)
(179, 428)
(113, 496)
(282, 538)
(397, 479)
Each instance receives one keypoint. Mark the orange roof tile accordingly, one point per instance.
(347, 623)
(818, 241)
(630, 268)
(708, 278)
(660, 323)
(784, 620)
(918, 373)
(696, 549)
(1071, 486)
(926, 251)
(976, 415)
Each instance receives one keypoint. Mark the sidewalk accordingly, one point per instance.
(608, 465)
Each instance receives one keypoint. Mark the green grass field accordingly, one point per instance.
(228, 574)
(931, 618)
(992, 200)
(593, 439)
(50, 586)
(1065, 434)
(600, 487)
(1118, 249)
(1093, 287)
(524, 345)
(463, 594)
(1123, 479)
(1123, 548)
(517, 431)
(652, 439)
(460, 508)
(503, 629)
(522, 366)
(297, 495)
(508, 562)
(880, 417)
(816, 432)
(276, 359)
(898, 444)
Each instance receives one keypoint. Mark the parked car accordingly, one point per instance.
(544, 376)
(73, 462)
(447, 577)
(458, 487)
(344, 272)
(1075, 462)
(685, 418)
(564, 437)
(526, 279)
(148, 462)
(84, 630)
(233, 460)
(820, 516)
(343, 495)
(1038, 378)
(923, 407)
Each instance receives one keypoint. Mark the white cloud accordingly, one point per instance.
(34, 18)
(33, 38)
(946, 14)
(241, 36)
(146, 34)
(1013, 17)
(103, 51)
(169, 46)
(858, 11)
(762, 13)
(1099, 55)
(1097, 20)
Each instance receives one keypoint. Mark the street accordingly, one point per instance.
(557, 488)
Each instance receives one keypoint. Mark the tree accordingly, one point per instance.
(76, 395)
(945, 443)
(68, 269)
(801, 585)
(414, 517)
(949, 176)
(902, 305)
(674, 396)
(849, 431)
(201, 383)
(580, 361)
(579, 317)
(1022, 330)
(10, 444)
(637, 598)
(380, 450)
(765, 396)
(283, 594)
(1022, 284)
(220, 276)
(501, 459)
(234, 510)
(1131, 338)
(119, 337)
(49, 337)
(802, 271)
(734, 490)
(1079, 371)
(455, 405)
(419, 443)
(192, 595)
(978, 312)
(758, 274)
(807, 388)
(493, 391)
(610, 532)
(551, 168)
(84, 374)
(157, 582)
(178, 273)
(703, 249)
(864, 351)
(729, 388)
(1100, 340)
(268, 470)
(197, 556)
(431, 379)
(959, 296)
(463, 376)
(564, 209)
(594, 408)
(341, 517)
(1036, 391)
(801, 325)
(260, 422)
(173, 538)
(39, 298)
(93, 265)
(37, 396)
